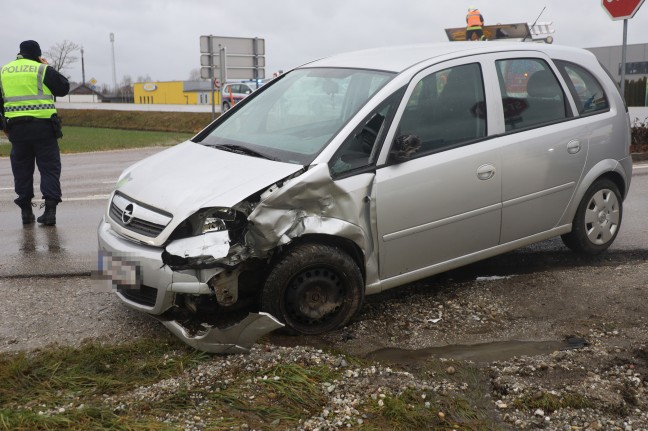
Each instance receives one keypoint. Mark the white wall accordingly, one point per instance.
(635, 112)
(135, 107)
(638, 113)
(78, 98)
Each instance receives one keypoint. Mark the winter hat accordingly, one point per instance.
(30, 49)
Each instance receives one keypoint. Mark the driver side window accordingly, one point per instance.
(361, 148)
(446, 109)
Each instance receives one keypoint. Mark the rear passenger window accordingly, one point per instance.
(531, 94)
(446, 109)
(586, 90)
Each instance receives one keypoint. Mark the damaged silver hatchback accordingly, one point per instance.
(361, 172)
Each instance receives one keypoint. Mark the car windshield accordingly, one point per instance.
(294, 118)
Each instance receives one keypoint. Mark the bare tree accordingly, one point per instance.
(194, 75)
(60, 55)
(127, 81)
(144, 78)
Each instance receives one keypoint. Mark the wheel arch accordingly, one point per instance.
(345, 244)
(610, 169)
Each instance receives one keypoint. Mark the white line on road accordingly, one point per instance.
(639, 167)
(87, 198)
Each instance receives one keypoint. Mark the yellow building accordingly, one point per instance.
(174, 93)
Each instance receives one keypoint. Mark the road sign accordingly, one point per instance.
(244, 57)
(235, 61)
(235, 45)
(622, 9)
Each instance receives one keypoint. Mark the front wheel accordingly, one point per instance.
(313, 289)
(597, 220)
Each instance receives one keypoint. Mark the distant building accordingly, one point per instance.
(82, 93)
(174, 93)
(636, 60)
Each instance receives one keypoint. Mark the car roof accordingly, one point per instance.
(399, 58)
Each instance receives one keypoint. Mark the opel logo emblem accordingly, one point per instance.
(127, 215)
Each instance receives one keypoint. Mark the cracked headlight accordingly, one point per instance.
(213, 224)
(216, 219)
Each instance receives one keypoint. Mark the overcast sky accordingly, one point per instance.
(160, 38)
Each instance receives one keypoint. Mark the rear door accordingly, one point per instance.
(439, 196)
(543, 149)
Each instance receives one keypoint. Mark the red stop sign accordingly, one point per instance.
(622, 9)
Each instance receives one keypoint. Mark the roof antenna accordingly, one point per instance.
(534, 23)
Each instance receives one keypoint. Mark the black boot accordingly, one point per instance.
(26, 212)
(49, 216)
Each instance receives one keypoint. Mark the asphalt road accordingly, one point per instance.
(70, 248)
(87, 179)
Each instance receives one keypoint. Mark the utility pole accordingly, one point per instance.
(83, 81)
(114, 73)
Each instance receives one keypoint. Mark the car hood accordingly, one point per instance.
(191, 176)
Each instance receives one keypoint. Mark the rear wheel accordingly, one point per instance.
(313, 289)
(597, 220)
(226, 106)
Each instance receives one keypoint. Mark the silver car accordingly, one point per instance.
(364, 171)
(233, 92)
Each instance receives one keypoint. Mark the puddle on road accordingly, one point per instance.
(483, 352)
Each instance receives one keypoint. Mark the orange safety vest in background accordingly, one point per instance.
(473, 19)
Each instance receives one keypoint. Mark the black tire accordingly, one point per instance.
(313, 289)
(597, 220)
(226, 106)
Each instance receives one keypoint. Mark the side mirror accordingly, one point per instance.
(405, 147)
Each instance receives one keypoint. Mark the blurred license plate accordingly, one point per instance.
(122, 271)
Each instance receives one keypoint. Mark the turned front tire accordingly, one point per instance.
(597, 220)
(313, 288)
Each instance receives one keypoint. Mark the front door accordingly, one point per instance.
(438, 197)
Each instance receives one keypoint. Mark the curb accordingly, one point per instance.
(639, 157)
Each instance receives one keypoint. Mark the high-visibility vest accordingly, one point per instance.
(473, 19)
(23, 90)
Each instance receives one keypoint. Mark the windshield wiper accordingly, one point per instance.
(239, 149)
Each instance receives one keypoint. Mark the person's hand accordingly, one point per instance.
(42, 60)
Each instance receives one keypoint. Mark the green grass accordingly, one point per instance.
(34, 386)
(88, 139)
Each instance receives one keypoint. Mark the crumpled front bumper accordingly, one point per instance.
(142, 267)
(238, 338)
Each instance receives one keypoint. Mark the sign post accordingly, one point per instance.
(235, 57)
(622, 10)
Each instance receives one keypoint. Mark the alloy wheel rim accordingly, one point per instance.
(602, 217)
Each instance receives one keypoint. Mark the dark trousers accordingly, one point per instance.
(34, 144)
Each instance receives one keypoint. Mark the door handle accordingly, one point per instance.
(485, 172)
(574, 146)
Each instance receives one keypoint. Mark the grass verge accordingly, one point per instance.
(163, 385)
(88, 139)
(64, 388)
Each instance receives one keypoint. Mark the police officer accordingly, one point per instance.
(474, 24)
(30, 121)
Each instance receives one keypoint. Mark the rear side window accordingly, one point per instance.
(446, 109)
(586, 90)
(531, 93)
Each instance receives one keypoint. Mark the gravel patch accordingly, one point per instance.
(599, 384)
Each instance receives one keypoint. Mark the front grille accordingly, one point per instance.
(138, 217)
(144, 295)
(137, 225)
